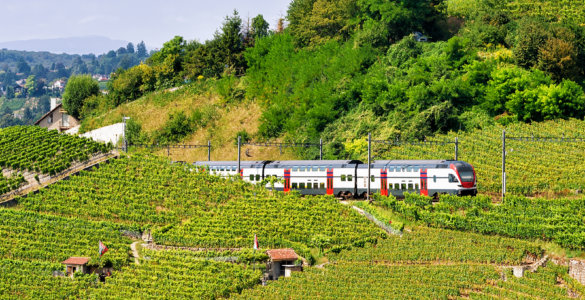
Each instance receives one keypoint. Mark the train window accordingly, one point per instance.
(294, 185)
(322, 185)
(416, 186)
(342, 177)
(396, 186)
(322, 168)
(295, 168)
(415, 168)
(410, 186)
(452, 178)
(315, 185)
(257, 177)
(222, 168)
(234, 168)
(403, 186)
(409, 169)
(302, 168)
(349, 178)
(302, 185)
(373, 178)
(315, 168)
(251, 177)
(434, 178)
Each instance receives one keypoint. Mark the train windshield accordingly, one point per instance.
(465, 172)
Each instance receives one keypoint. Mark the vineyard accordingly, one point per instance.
(13, 182)
(557, 220)
(34, 280)
(532, 167)
(32, 236)
(371, 281)
(190, 208)
(543, 284)
(176, 275)
(426, 245)
(39, 150)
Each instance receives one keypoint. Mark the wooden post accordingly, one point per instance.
(208, 150)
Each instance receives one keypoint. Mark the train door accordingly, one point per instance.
(286, 180)
(424, 190)
(384, 182)
(330, 181)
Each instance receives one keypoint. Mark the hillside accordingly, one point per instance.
(215, 219)
(213, 118)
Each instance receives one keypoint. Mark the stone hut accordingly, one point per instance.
(281, 263)
(75, 264)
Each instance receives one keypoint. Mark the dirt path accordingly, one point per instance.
(135, 252)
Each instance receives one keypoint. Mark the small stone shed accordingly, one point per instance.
(281, 263)
(75, 264)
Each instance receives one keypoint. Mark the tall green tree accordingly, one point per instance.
(259, 27)
(231, 44)
(78, 88)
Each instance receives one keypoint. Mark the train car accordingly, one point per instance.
(425, 177)
(349, 178)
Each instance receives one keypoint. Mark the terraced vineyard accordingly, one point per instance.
(557, 220)
(8, 184)
(34, 280)
(427, 245)
(192, 208)
(532, 167)
(371, 281)
(176, 275)
(32, 236)
(543, 284)
(44, 151)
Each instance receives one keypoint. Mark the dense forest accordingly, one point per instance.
(399, 69)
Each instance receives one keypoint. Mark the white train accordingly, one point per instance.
(349, 178)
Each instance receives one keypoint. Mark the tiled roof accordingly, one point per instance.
(282, 254)
(76, 261)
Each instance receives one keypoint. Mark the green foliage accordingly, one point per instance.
(131, 84)
(557, 220)
(32, 236)
(44, 151)
(422, 244)
(79, 87)
(175, 129)
(368, 280)
(180, 275)
(244, 137)
(34, 280)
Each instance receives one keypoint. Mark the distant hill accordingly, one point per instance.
(72, 45)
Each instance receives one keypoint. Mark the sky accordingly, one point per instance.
(153, 22)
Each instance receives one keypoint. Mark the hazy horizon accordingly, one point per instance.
(153, 22)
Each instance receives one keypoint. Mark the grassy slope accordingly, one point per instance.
(152, 111)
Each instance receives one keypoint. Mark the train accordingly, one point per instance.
(349, 178)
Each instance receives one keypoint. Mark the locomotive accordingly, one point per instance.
(349, 178)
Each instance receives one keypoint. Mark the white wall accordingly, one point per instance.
(112, 133)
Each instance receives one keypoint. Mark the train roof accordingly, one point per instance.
(429, 163)
(326, 163)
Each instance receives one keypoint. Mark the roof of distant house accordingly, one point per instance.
(50, 112)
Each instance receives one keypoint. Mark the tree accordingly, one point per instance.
(141, 49)
(231, 43)
(78, 88)
(22, 66)
(130, 48)
(259, 27)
